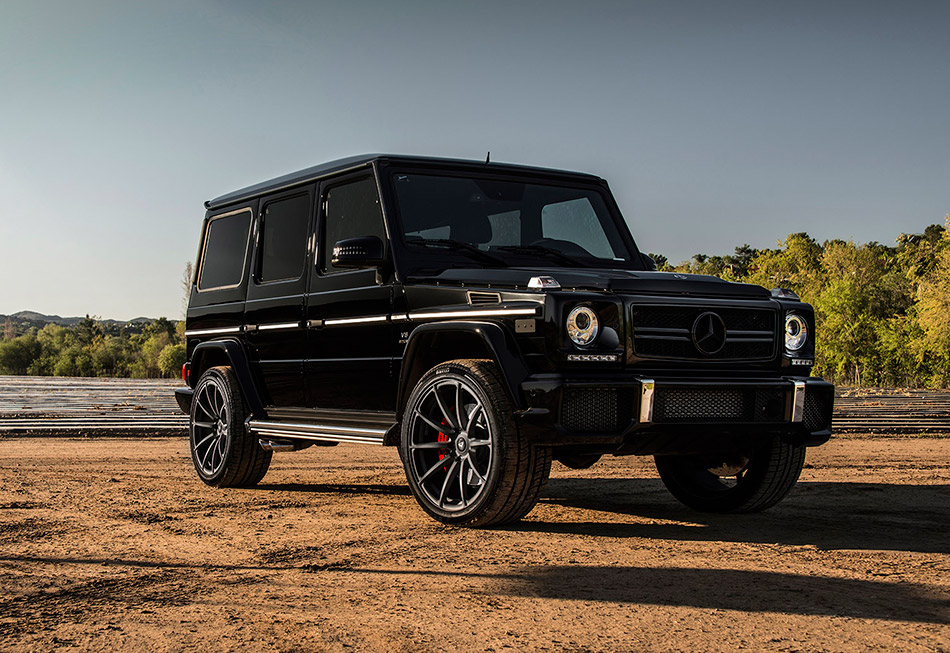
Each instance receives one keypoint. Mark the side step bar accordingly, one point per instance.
(320, 432)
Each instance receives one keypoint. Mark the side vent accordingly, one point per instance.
(484, 298)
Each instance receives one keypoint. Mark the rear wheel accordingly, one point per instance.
(465, 460)
(741, 482)
(223, 452)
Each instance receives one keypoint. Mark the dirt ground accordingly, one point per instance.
(112, 544)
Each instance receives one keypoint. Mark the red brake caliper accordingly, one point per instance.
(443, 438)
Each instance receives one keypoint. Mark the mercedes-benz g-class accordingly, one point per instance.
(485, 319)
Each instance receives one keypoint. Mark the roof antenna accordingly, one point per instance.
(488, 158)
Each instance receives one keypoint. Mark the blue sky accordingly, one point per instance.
(716, 123)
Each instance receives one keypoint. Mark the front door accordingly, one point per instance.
(350, 337)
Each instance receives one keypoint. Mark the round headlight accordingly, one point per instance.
(796, 331)
(582, 325)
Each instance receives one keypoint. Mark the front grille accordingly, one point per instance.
(686, 405)
(817, 416)
(666, 332)
(594, 410)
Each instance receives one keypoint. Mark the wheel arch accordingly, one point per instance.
(231, 353)
(434, 343)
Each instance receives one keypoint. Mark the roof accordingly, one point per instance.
(331, 167)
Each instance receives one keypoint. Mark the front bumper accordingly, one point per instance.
(640, 415)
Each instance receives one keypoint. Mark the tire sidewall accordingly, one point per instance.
(679, 478)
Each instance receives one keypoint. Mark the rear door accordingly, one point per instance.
(350, 339)
(274, 311)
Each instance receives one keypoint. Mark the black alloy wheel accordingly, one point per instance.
(223, 452)
(464, 458)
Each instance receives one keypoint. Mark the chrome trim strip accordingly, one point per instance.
(400, 317)
(298, 427)
(212, 332)
(314, 324)
(482, 313)
(647, 389)
(280, 325)
(355, 320)
(798, 402)
(319, 437)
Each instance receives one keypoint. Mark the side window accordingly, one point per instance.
(352, 210)
(576, 221)
(283, 244)
(225, 249)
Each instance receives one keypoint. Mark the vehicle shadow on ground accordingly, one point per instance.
(826, 515)
(714, 589)
(335, 488)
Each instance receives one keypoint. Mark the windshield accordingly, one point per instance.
(499, 223)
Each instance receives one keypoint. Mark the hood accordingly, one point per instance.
(618, 281)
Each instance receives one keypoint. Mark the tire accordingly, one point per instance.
(223, 452)
(734, 482)
(482, 472)
(577, 460)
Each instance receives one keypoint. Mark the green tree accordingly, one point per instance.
(171, 359)
(18, 354)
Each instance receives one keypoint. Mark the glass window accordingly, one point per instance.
(505, 229)
(283, 246)
(222, 264)
(509, 222)
(352, 210)
(576, 221)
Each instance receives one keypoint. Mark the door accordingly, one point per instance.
(274, 311)
(350, 337)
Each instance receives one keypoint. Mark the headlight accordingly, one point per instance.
(796, 331)
(582, 325)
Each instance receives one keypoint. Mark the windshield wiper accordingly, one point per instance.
(550, 252)
(458, 245)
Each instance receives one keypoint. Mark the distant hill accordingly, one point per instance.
(32, 318)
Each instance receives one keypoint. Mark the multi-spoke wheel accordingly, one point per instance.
(464, 458)
(738, 482)
(223, 453)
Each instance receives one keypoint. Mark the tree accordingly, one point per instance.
(16, 355)
(171, 359)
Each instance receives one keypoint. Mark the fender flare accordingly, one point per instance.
(498, 341)
(237, 358)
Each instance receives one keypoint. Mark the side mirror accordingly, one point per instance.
(362, 252)
(648, 263)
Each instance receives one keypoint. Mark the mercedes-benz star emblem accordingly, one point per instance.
(709, 333)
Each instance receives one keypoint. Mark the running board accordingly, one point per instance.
(320, 432)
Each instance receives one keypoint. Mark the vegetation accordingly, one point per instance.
(883, 313)
(93, 348)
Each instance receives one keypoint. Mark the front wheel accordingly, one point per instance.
(465, 460)
(748, 481)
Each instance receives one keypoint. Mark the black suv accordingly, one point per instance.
(485, 319)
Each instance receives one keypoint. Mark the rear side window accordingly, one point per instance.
(283, 245)
(352, 210)
(225, 249)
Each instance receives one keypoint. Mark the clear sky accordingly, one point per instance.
(716, 123)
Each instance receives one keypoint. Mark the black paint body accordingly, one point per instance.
(348, 347)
